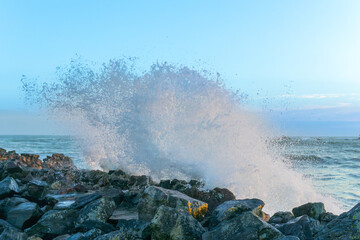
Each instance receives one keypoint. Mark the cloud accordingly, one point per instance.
(321, 96)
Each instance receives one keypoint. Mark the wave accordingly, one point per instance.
(172, 122)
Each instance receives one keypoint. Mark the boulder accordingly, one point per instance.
(98, 210)
(9, 203)
(302, 227)
(327, 217)
(30, 160)
(91, 224)
(8, 187)
(345, 226)
(230, 209)
(84, 200)
(36, 191)
(54, 223)
(175, 224)
(244, 226)
(140, 228)
(313, 210)
(24, 215)
(117, 195)
(117, 235)
(153, 197)
(281, 217)
(7, 231)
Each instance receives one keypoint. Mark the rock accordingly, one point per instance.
(82, 201)
(302, 227)
(24, 215)
(153, 197)
(141, 228)
(140, 181)
(8, 187)
(30, 160)
(230, 209)
(281, 217)
(80, 188)
(90, 235)
(345, 226)
(7, 231)
(244, 226)
(117, 235)
(117, 195)
(62, 237)
(175, 224)
(36, 191)
(313, 210)
(98, 210)
(213, 197)
(12, 166)
(54, 223)
(91, 224)
(58, 162)
(7, 204)
(327, 217)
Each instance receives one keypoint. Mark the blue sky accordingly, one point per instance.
(298, 60)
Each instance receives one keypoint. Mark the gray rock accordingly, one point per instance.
(24, 215)
(99, 210)
(62, 237)
(141, 228)
(54, 223)
(230, 209)
(7, 231)
(302, 227)
(154, 197)
(325, 218)
(117, 235)
(8, 187)
(313, 210)
(175, 224)
(84, 200)
(281, 217)
(244, 226)
(88, 225)
(345, 226)
(36, 191)
(7, 204)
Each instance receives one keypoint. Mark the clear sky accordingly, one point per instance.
(300, 60)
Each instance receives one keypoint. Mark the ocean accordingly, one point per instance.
(331, 163)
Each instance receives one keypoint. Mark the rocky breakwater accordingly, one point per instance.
(52, 199)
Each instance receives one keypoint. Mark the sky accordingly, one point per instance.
(298, 61)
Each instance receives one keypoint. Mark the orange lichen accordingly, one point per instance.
(197, 210)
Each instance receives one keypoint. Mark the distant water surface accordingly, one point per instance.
(333, 163)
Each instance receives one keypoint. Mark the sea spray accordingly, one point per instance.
(172, 122)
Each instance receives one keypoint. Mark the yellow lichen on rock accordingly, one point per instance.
(197, 211)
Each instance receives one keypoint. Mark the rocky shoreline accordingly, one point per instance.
(52, 199)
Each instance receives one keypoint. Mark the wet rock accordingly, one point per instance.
(345, 226)
(7, 204)
(117, 195)
(54, 223)
(281, 217)
(230, 209)
(327, 217)
(131, 199)
(98, 210)
(30, 160)
(12, 166)
(24, 215)
(62, 237)
(117, 235)
(58, 162)
(36, 191)
(302, 227)
(175, 224)
(84, 200)
(80, 188)
(8, 187)
(7, 232)
(140, 181)
(88, 225)
(153, 197)
(313, 210)
(244, 226)
(119, 181)
(90, 235)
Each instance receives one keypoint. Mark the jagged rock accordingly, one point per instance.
(7, 232)
(131, 199)
(30, 160)
(98, 210)
(88, 225)
(35, 191)
(84, 200)
(327, 217)
(153, 197)
(24, 215)
(244, 226)
(58, 162)
(281, 217)
(345, 226)
(62, 237)
(54, 223)
(12, 166)
(8, 187)
(119, 181)
(175, 224)
(140, 181)
(114, 193)
(7, 204)
(90, 235)
(313, 210)
(230, 209)
(302, 227)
